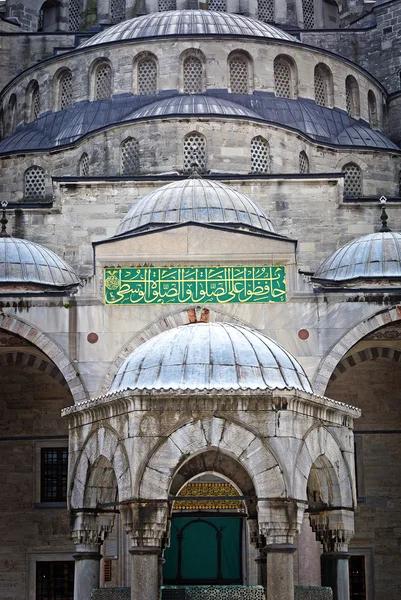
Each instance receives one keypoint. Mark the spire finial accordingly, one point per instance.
(4, 220)
(383, 215)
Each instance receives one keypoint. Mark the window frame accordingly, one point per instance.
(37, 472)
(367, 553)
(33, 558)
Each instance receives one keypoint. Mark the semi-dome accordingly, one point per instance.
(210, 356)
(24, 263)
(373, 256)
(187, 23)
(195, 201)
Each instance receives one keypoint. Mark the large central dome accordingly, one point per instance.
(210, 356)
(187, 23)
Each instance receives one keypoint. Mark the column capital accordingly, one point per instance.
(90, 529)
(146, 522)
(334, 529)
(279, 520)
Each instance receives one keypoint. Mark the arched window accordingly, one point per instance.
(103, 81)
(282, 78)
(75, 8)
(352, 96)
(2, 127)
(83, 165)
(260, 162)
(352, 180)
(167, 5)
(65, 90)
(32, 101)
(194, 151)
(34, 184)
(117, 11)
(323, 85)
(372, 107)
(238, 67)
(219, 5)
(12, 113)
(308, 13)
(303, 162)
(192, 75)
(147, 75)
(49, 16)
(129, 152)
(266, 10)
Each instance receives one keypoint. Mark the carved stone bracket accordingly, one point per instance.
(334, 529)
(280, 520)
(146, 522)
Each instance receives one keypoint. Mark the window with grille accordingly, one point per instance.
(308, 11)
(239, 75)
(194, 152)
(320, 88)
(266, 10)
(55, 580)
(65, 90)
(147, 76)
(193, 75)
(34, 184)
(117, 11)
(167, 5)
(282, 79)
(259, 155)
(41, 19)
(352, 180)
(74, 15)
(34, 110)
(53, 474)
(103, 82)
(303, 162)
(372, 107)
(217, 5)
(12, 113)
(130, 157)
(83, 165)
(352, 96)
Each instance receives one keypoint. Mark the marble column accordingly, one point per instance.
(87, 570)
(335, 573)
(145, 572)
(279, 571)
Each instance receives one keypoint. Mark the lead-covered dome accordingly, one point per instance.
(24, 263)
(210, 356)
(187, 23)
(370, 257)
(195, 201)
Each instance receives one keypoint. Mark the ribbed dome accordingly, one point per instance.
(187, 23)
(210, 356)
(195, 200)
(23, 262)
(372, 256)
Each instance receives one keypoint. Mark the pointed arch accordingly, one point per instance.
(240, 72)
(352, 96)
(101, 75)
(285, 77)
(323, 82)
(32, 101)
(372, 108)
(12, 114)
(193, 65)
(146, 71)
(62, 89)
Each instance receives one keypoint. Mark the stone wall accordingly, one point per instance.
(312, 593)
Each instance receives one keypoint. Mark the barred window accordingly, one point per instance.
(65, 90)
(54, 580)
(12, 113)
(54, 473)
(192, 75)
(117, 11)
(33, 101)
(352, 96)
(74, 15)
(103, 81)
(129, 157)
(219, 5)
(308, 11)
(372, 107)
(239, 75)
(259, 155)
(352, 180)
(320, 89)
(303, 162)
(266, 10)
(282, 78)
(194, 151)
(83, 165)
(167, 5)
(147, 76)
(34, 184)
(41, 19)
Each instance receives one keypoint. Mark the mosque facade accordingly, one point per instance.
(200, 302)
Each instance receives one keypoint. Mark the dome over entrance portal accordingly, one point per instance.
(188, 23)
(210, 356)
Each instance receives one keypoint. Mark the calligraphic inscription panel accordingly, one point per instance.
(194, 285)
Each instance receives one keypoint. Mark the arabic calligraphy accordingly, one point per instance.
(194, 285)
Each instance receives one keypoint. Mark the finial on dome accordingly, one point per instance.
(195, 171)
(4, 220)
(383, 216)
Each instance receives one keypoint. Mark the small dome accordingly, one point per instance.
(187, 23)
(196, 201)
(26, 263)
(372, 256)
(210, 356)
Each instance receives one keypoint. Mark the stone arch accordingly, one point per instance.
(27, 358)
(181, 317)
(55, 353)
(350, 361)
(215, 434)
(101, 487)
(320, 442)
(343, 345)
(103, 443)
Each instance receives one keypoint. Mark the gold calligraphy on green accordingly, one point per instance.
(194, 285)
